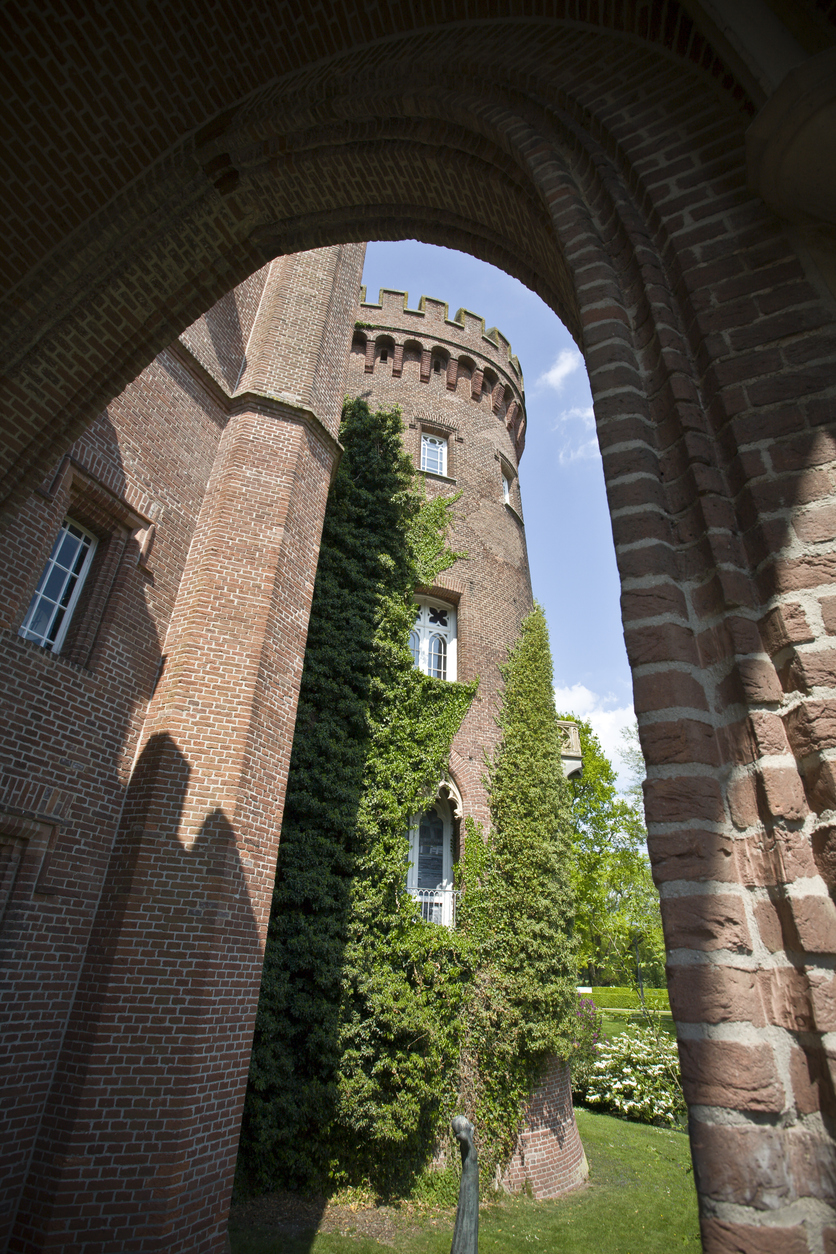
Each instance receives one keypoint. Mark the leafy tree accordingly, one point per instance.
(517, 909)
(617, 905)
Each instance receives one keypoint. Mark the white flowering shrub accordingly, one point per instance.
(636, 1075)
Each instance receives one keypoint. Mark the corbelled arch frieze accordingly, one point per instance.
(598, 154)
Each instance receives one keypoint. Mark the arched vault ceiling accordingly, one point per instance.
(159, 163)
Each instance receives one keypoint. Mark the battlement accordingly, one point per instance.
(467, 329)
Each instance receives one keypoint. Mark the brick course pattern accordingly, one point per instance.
(549, 1158)
(598, 152)
(146, 770)
(475, 400)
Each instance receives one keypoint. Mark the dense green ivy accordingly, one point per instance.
(357, 1032)
(373, 1028)
(517, 906)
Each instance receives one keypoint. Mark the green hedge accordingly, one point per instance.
(628, 998)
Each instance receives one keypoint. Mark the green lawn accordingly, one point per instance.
(640, 1200)
(615, 1021)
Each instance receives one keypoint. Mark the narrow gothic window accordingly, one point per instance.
(434, 454)
(506, 490)
(59, 587)
(430, 875)
(384, 356)
(432, 640)
(438, 657)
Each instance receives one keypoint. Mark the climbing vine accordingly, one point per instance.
(372, 1027)
(357, 1032)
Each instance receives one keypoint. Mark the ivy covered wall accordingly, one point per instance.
(374, 1027)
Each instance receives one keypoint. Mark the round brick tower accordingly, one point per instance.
(460, 389)
(461, 392)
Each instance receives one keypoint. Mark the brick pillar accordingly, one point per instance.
(139, 1138)
(139, 1135)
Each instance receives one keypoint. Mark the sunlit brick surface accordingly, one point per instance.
(475, 401)
(134, 934)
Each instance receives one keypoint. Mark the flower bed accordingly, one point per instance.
(636, 1075)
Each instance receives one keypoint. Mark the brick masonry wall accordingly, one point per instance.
(476, 400)
(598, 153)
(137, 920)
(549, 1157)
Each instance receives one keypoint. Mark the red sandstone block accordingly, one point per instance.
(762, 1167)
(768, 916)
(661, 601)
(815, 922)
(815, 669)
(706, 921)
(708, 993)
(828, 613)
(769, 734)
(784, 792)
(693, 855)
(682, 740)
(812, 1085)
(683, 799)
(728, 1073)
(720, 1237)
(811, 726)
(668, 690)
(663, 642)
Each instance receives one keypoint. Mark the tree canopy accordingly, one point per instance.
(616, 902)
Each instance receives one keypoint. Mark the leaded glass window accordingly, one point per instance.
(430, 875)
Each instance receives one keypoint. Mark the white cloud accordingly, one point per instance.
(578, 428)
(567, 361)
(607, 719)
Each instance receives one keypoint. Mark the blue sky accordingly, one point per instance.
(567, 525)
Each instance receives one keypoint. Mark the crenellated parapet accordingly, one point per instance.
(428, 342)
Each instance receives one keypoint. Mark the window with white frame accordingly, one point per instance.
(430, 875)
(506, 490)
(433, 453)
(433, 639)
(59, 587)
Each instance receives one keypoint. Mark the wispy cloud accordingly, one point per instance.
(567, 361)
(577, 425)
(605, 715)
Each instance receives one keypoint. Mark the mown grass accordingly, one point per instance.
(615, 1021)
(640, 1200)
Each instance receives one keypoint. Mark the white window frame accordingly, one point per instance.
(506, 489)
(436, 903)
(424, 631)
(429, 440)
(43, 638)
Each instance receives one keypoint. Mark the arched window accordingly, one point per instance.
(433, 638)
(430, 876)
(434, 454)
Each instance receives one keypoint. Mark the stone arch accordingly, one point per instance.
(597, 153)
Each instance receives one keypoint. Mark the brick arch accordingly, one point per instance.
(600, 161)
